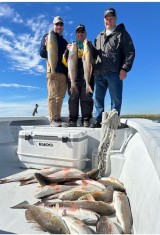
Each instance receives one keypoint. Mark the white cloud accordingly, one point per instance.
(8, 12)
(70, 22)
(39, 25)
(57, 10)
(5, 45)
(21, 48)
(6, 32)
(5, 11)
(67, 8)
(17, 86)
(17, 18)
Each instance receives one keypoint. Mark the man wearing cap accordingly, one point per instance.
(80, 95)
(115, 56)
(57, 85)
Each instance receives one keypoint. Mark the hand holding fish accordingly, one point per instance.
(69, 46)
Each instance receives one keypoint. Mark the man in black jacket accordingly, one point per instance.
(115, 56)
(56, 84)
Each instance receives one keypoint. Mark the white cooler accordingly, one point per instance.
(46, 147)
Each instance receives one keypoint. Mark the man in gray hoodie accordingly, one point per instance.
(115, 55)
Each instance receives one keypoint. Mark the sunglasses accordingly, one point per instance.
(80, 31)
(59, 24)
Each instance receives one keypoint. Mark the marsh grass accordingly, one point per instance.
(148, 116)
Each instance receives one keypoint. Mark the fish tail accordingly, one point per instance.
(22, 205)
(88, 89)
(74, 88)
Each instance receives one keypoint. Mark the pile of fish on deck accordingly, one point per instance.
(74, 202)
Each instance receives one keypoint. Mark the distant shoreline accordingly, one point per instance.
(141, 116)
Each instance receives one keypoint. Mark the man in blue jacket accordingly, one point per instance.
(57, 85)
(115, 56)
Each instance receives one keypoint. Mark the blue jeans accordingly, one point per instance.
(115, 86)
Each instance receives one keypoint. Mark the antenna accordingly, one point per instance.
(35, 110)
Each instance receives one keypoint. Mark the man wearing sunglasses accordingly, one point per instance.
(115, 56)
(80, 95)
(57, 85)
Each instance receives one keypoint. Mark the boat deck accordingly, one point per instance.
(13, 221)
(137, 165)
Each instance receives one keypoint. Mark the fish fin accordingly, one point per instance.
(93, 173)
(54, 209)
(41, 179)
(25, 182)
(66, 171)
(53, 184)
(74, 206)
(84, 184)
(22, 205)
(22, 182)
(57, 208)
(64, 213)
(89, 197)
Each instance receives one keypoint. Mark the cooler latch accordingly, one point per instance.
(64, 139)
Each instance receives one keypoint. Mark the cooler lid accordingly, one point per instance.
(49, 132)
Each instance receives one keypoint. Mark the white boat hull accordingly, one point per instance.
(135, 160)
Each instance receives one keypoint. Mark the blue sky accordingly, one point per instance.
(22, 70)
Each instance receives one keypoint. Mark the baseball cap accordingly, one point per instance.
(110, 11)
(57, 19)
(80, 27)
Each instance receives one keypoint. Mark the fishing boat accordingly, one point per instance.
(26, 144)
